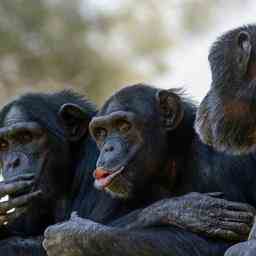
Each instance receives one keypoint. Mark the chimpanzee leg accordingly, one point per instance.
(17, 246)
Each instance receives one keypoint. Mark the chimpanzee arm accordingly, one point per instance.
(204, 214)
(199, 213)
(83, 237)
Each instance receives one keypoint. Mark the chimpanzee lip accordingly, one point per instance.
(101, 183)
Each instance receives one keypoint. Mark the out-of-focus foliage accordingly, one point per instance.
(56, 44)
(92, 46)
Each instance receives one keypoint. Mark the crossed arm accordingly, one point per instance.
(146, 231)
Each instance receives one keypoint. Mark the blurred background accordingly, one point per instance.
(98, 46)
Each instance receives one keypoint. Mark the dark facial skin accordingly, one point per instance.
(226, 117)
(119, 139)
(22, 144)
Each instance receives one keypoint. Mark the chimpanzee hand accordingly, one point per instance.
(11, 188)
(68, 238)
(200, 213)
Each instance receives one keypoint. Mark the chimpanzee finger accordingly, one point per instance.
(238, 228)
(11, 188)
(227, 235)
(215, 194)
(240, 206)
(245, 217)
(18, 201)
(28, 176)
(10, 217)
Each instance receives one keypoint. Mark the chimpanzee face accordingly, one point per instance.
(130, 131)
(119, 137)
(23, 145)
(32, 152)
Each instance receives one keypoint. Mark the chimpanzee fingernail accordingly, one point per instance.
(37, 193)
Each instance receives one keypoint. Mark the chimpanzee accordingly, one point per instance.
(44, 148)
(226, 117)
(149, 152)
(37, 166)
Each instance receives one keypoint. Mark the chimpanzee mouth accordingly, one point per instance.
(103, 178)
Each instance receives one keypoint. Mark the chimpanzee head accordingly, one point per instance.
(38, 137)
(226, 118)
(131, 131)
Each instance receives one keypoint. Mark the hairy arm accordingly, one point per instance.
(83, 237)
(204, 214)
(148, 231)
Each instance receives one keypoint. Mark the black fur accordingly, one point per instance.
(43, 108)
(225, 118)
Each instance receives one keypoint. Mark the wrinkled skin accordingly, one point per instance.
(199, 213)
(203, 214)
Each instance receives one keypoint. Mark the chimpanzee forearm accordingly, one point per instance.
(204, 214)
(84, 237)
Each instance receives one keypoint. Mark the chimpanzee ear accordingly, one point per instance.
(171, 109)
(245, 48)
(74, 120)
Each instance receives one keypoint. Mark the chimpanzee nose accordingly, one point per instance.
(14, 163)
(108, 148)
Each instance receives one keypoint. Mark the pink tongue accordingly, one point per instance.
(100, 173)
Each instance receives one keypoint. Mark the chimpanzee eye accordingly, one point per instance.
(123, 126)
(100, 133)
(3, 144)
(25, 137)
